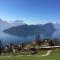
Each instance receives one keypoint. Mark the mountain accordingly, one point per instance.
(24, 30)
(57, 26)
(57, 32)
(17, 23)
(5, 24)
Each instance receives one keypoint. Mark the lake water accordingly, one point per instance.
(7, 38)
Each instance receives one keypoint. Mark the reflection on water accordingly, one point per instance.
(6, 38)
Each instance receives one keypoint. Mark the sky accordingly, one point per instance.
(31, 11)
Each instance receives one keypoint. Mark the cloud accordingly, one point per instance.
(4, 24)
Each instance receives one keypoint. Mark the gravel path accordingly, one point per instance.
(48, 53)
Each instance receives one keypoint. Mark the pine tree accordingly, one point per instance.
(0, 46)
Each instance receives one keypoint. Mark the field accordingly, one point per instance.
(54, 55)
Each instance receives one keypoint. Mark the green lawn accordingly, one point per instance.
(55, 55)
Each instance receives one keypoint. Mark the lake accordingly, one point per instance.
(7, 38)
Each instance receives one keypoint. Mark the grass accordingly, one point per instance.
(55, 55)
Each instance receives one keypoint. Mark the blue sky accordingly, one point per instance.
(31, 11)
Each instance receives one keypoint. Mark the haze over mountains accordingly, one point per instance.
(18, 28)
(5, 24)
(25, 30)
(57, 26)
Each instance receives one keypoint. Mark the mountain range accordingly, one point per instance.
(5, 24)
(19, 28)
(24, 30)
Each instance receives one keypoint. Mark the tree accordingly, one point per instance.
(56, 41)
(37, 40)
(0, 46)
(51, 43)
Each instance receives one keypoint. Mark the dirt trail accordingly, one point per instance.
(48, 53)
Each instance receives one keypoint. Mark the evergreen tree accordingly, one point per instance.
(0, 46)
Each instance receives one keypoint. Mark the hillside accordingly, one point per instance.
(24, 30)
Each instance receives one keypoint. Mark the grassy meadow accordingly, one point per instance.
(54, 55)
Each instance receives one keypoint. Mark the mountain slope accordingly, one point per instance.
(5, 24)
(24, 30)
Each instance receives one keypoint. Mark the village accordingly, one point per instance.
(30, 48)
